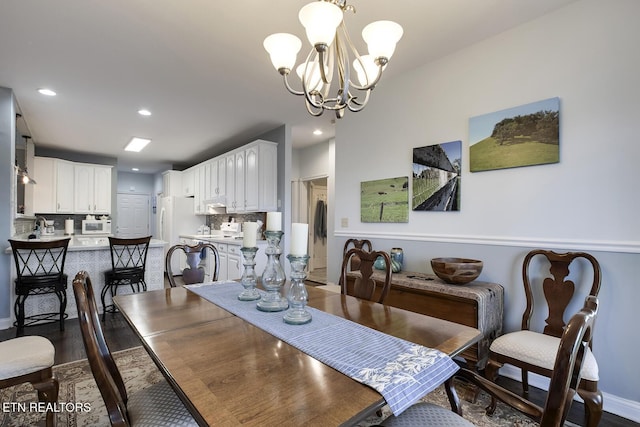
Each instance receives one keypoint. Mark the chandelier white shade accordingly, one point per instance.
(333, 54)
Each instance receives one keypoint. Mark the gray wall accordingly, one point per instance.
(7, 176)
(586, 54)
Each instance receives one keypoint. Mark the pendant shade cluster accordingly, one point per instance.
(326, 77)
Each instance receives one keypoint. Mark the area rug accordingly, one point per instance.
(81, 404)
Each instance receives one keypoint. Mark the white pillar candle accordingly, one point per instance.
(249, 232)
(274, 221)
(299, 233)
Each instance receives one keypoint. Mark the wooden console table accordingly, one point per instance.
(476, 304)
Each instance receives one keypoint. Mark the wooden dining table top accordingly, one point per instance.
(231, 373)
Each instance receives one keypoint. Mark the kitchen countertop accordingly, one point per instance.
(80, 242)
(217, 239)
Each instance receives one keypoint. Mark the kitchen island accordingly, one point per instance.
(92, 254)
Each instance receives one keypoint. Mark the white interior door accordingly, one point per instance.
(133, 215)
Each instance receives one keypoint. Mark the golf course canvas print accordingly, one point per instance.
(521, 136)
(385, 200)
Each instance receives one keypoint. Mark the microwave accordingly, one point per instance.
(96, 226)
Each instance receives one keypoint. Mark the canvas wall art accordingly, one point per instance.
(385, 200)
(521, 136)
(436, 177)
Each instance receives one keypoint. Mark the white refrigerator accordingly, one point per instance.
(176, 217)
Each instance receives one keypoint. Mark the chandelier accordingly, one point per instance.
(330, 55)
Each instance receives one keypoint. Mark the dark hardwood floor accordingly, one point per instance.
(119, 336)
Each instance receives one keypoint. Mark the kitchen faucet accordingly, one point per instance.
(42, 224)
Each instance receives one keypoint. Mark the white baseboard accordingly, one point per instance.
(613, 404)
(6, 323)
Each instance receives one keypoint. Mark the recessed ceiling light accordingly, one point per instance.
(317, 132)
(47, 92)
(136, 144)
(135, 169)
(144, 112)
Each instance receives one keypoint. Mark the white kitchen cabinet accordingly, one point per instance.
(171, 183)
(234, 262)
(252, 178)
(92, 194)
(73, 188)
(187, 183)
(199, 190)
(223, 248)
(44, 192)
(65, 186)
(217, 181)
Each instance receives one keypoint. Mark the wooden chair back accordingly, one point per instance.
(194, 272)
(365, 286)
(557, 290)
(360, 244)
(565, 379)
(103, 366)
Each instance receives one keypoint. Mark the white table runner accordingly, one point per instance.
(401, 371)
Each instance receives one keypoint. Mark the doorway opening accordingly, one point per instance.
(316, 190)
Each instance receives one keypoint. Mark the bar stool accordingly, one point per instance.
(40, 270)
(128, 265)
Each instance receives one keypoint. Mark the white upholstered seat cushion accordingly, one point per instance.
(24, 355)
(158, 406)
(539, 350)
(426, 414)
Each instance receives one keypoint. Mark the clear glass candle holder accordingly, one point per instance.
(273, 277)
(298, 296)
(249, 277)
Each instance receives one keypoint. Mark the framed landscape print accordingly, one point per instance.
(521, 136)
(385, 200)
(436, 177)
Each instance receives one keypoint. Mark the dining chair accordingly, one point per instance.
(571, 354)
(29, 360)
(40, 270)
(364, 286)
(534, 351)
(194, 272)
(356, 243)
(152, 406)
(128, 266)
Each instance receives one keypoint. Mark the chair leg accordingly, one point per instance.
(62, 296)
(19, 310)
(103, 294)
(525, 383)
(592, 406)
(491, 373)
(48, 392)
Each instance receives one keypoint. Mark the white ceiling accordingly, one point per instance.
(199, 66)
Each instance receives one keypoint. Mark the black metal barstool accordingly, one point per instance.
(128, 265)
(40, 270)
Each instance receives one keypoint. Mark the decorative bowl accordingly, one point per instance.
(456, 271)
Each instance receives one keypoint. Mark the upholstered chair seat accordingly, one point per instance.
(158, 406)
(427, 414)
(24, 355)
(540, 350)
(30, 359)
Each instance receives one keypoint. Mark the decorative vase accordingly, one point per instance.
(249, 278)
(397, 255)
(297, 314)
(273, 276)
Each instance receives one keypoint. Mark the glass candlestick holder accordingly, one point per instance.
(297, 314)
(273, 276)
(249, 277)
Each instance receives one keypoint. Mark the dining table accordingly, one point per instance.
(230, 372)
